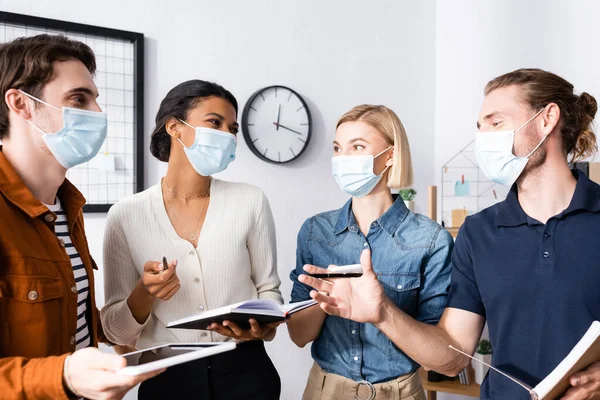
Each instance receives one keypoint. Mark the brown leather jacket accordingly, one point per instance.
(38, 296)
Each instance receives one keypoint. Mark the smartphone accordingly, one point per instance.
(343, 271)
(337, 275)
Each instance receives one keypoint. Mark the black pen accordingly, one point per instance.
(165, 265)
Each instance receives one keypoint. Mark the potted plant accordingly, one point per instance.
(408, 195)
(482, 353)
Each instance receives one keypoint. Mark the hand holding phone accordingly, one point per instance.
(343, 271)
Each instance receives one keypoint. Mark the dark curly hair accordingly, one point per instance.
(177, 104)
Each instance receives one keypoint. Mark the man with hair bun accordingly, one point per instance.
(528, 265)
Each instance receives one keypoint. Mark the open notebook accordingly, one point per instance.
(585, 353)
(263, 310)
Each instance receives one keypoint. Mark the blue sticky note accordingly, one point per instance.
(462, 189)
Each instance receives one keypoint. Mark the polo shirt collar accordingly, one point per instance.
(586, 198)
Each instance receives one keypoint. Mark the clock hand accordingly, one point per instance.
(285, 127)
(278, 115)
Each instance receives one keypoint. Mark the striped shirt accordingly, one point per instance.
(82, 336)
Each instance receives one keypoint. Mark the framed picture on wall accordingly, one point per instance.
(118, 169)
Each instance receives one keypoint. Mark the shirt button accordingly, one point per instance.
(354, 331)
(546, 254)
(33, 295)
(201, 308)
(49, 218)
(72, 340)
(365, 244)
(197, 280)
(355, 358)
(399, 286)
(203, 334)
(74, 289)
(546, 235)
(353, 228)
(192, 252)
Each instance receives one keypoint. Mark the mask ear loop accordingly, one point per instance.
(383, 151)
(387, 167)
(44, 103)
(525, 124)
(41, 101)
(183, 122)
(383, 172)
(537, 147)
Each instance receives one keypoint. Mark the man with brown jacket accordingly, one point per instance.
(49, 329)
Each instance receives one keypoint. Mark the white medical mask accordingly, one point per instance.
(81, 137)
(494, 154)
(354, 174)
(212, 150)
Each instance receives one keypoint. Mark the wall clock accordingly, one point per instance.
(276, 124)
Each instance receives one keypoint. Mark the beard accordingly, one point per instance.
(537, 159)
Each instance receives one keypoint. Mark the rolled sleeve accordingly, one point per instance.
(436, 279)
(300, 291)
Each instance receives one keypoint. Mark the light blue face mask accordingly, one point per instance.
(81, 137)
(212, 150)
(494, 154)
(354, 174)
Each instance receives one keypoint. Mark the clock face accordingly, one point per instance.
(276, 124)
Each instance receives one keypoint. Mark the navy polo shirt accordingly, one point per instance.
(538, 286)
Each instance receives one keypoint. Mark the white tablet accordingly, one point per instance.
(154, 358)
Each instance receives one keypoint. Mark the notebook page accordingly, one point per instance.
(298, 306)
(566, 365)
(259, 304)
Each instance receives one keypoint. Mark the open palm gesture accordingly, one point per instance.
(358, 299)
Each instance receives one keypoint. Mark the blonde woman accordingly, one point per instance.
(410, 253)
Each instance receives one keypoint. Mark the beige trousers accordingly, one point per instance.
(324, 386)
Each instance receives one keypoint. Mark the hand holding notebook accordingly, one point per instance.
(263, 311)
(585, 353)
(256, 331)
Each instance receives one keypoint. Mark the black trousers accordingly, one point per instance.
(245, 373)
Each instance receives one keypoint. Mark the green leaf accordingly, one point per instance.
(484, 347)
(407, 194)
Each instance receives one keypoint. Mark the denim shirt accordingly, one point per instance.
(411, 257)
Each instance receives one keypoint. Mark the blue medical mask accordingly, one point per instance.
(354, 174)
(212, 150)
(494, 154)
(81, 137)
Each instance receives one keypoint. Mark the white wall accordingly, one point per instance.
(427, 61)
(336, 54)
(479, 40)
